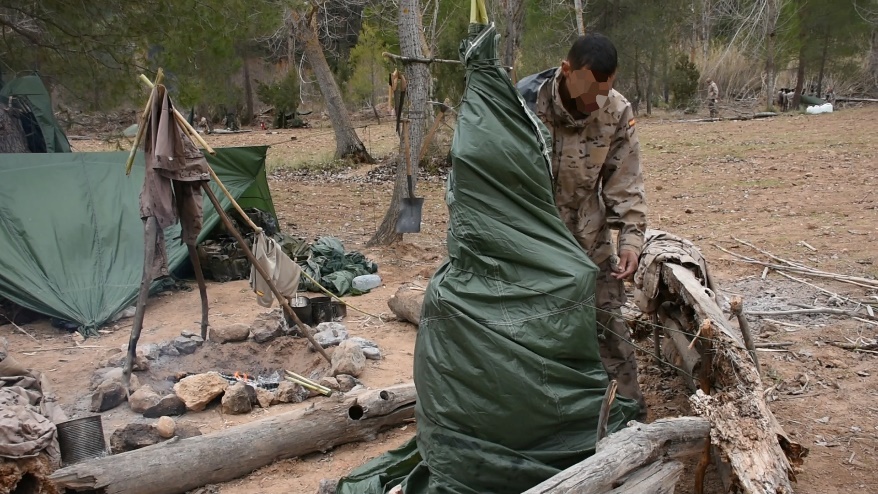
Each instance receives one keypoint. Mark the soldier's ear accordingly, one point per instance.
(565, 67)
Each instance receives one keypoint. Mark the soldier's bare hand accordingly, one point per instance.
(627, 265)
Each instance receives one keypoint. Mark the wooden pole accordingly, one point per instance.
(243, 244)
(202, 288)
(737, 306)
(150, 234)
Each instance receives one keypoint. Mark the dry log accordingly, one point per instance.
(177, 466)
(27, 475)
(406, 304)
(743, 428)
(658, 478)
(626, 451)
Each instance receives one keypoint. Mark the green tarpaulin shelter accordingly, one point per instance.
(31, 90)
(506, 364)
(71, 236)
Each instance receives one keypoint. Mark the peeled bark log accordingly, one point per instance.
(743, 428)
(658, 478)
(406, 304)
(177, 466)
(627, 451)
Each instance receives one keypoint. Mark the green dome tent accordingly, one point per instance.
(71, 234)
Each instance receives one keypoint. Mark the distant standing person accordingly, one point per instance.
(712, 96)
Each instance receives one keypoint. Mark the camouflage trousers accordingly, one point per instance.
(711, 105)
(614, 337)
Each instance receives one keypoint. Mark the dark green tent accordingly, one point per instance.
(70, 231)
(30, 91)
(506, 364)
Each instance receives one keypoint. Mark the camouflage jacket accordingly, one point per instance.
(596, 168)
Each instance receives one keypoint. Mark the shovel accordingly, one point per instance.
(410, 208)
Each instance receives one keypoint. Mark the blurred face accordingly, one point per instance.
(587, 89)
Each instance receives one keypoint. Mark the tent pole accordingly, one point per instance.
(150, 230)
(280, 298)
(202, 288)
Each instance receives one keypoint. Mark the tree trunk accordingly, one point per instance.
(873, 58)
(577, 11)
(347, 143)
(513, 13)
(12, 139)
(771, 23)
(822, 64)
(411, 44)
(177, 466)
(248, 93)
(650, 80)
(625, 452)
(800, 78)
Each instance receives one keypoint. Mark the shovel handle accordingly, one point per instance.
(408, 157)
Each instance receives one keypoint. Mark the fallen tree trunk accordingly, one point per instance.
(743, 429)
(406, 304)
(624, 454)
(177, 466)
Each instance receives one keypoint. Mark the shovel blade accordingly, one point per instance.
(410, 215)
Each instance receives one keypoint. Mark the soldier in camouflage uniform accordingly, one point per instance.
(712, 96)
(598, 183)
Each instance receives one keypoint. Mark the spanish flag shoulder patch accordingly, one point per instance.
(632, 122)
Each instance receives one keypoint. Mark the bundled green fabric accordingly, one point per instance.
(506, 365)
(334, 268)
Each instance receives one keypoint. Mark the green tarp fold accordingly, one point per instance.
(506, 363)
(71, 237)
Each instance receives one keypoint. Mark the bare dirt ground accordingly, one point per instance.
(775, 182)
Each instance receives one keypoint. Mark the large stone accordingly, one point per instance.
(264, 397)
(268, 326)
(372, 353)
(229, 334)
(185, 431)
(166, 427)
(288, 392)
(185, 345)
(112, 374)
(141, 363)
(262, 334)
(152, 351)
(330, 334)
(170, 405)
(329, 382)
(199, 390)
(187, 334)
(348, 359)
(327, 486)
(236, 400)
(167, 348)
(346, 382)
(109, 394)
(370, 348)
(197, 339)
(142, 399)
(133, 436)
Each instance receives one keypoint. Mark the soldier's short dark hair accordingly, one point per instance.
(596, 52)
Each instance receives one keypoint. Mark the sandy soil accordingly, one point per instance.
(776, 182)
